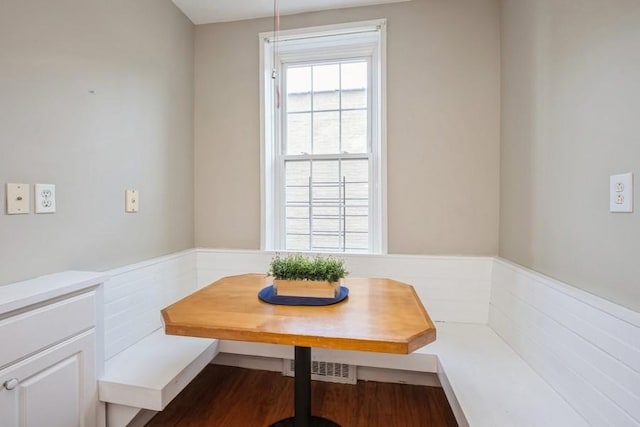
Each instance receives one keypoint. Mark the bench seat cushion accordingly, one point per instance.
(150, 373)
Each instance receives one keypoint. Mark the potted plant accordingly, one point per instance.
(300, 276)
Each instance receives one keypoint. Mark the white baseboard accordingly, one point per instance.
(250, 362)
(382, 375)
(364, 373)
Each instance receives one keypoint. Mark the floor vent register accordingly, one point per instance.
(325, 371)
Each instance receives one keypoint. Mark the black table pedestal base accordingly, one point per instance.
(314, 422)
(302, 395)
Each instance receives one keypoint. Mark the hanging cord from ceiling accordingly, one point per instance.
(276, 32)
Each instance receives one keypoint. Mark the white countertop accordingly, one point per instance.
(23, 294)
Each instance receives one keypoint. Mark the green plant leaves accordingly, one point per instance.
(299, 267)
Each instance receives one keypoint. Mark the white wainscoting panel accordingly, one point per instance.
(586, 348)
(421, 360)
(135, 294)
(452, 288)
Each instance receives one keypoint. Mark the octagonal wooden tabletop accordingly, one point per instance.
(379, 315)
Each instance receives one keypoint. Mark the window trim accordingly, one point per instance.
(356, 38)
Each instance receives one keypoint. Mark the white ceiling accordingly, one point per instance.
(207, 11)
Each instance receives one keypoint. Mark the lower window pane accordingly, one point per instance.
(326, 243)
(297, 195)
(297, 226)
(326, 171)
(297, 172)
(357, 241)
(326, 193)
(338, 218)
(294, 212)
(326, 211)
(326, 225)
(297, 243)
(357, 224)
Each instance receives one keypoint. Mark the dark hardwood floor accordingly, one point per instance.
(223, 396)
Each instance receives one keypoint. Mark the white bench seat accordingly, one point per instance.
(150, 373)
(486, 382)
(489, 385)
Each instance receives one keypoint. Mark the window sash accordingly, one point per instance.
(319, 198)
(284, 113)
(342, 239)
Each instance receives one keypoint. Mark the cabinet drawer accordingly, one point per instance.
(28, 332)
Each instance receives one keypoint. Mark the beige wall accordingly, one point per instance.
(96, 97)
(570, 114)
(443, 126)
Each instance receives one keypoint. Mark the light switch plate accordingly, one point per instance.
(132, 202)
(17, 199)
(45, 198)
(621, 192)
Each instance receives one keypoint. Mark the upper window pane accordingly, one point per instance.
(327, 108)
(298, 89)
(298, 133)
(353, 130)
(354, 81)
(326, 132)
(326, 87)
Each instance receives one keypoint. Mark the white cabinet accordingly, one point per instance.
(48, 360)
(53, 388)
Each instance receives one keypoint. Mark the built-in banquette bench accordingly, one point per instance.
(514, 348)
(145, 368)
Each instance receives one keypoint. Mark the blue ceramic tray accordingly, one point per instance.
(268, 295)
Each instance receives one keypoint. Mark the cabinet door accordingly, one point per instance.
(54, 388)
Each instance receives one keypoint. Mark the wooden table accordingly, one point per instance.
(380, 315)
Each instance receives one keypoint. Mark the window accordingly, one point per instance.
(322, 128)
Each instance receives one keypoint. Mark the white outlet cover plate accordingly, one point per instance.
(17, 199)
(45, 198)
(623, 182)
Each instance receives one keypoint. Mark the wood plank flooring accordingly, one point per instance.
(223, 396)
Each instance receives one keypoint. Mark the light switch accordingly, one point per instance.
(132, 202)
(17, 199)
(621, 193)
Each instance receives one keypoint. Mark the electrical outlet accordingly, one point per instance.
(621, 193)
(132, 202)
(45, 198)
(17, 199)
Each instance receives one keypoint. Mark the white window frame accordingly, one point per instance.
(331, 42)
